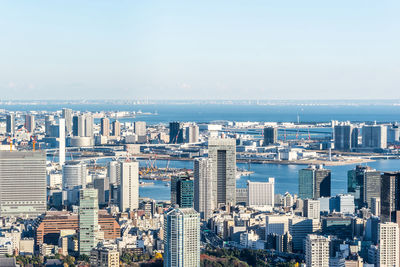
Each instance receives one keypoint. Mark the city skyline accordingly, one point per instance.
(223, 50)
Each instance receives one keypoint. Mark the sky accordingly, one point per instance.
(286, 49)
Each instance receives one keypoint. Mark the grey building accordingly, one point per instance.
(74, 174)
(374, 136)
(176, 133)
(203, 182)
(270, 135)
(22, 183)
(223, 155)
(390, 196)
(67, 115)
(192, 134)
(346, 137)
(82, 125)
(364, 183)
(140, 128)
(30, 123)
(10, 124)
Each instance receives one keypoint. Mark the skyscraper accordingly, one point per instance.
(10, 123)
(116, 128)
(88, 220)
(390, 196)
(82, 125)
(346, 137)
(181, 238)
(22, 183)
(175, 133)
(182, 187)
(129, 188)
(374, 136)
(388, 251)
(317, 251)
(105, 126)
(222, 152)
(61, 141)
(74, 174)
(48, 121)
(114, 172)
(30, 123)
(89, 122)
(203, 192)
(140, 128)
(314, 182)
(192, 133)
(67, 115)
(261, 194)
(270, 136)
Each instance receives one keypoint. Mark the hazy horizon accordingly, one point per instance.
(187, 50)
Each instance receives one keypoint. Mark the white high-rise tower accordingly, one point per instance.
(61, 148)
(129, 187)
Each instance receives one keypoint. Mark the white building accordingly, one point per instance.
(129, 188)
(22, 183)
(74, 174)
(61, 141)
(317, 251)
(261, 194)
(203, 182)
(311, 209)
(388, 251)
(374, 136)
(182, 238)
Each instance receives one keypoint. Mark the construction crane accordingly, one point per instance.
(10, 141)
(33, 138)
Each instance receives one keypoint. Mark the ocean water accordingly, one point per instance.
(286, 176)
(239, 112)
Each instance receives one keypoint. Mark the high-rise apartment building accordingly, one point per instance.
(374, 136)
(30, 124)
(181, 238)
(22, 183)
(105, 126)
(176, 133)
(390, 196)
(203, 192)
(346, 137)
(67, 115)
(83, 125)
(314, 182)
(88, 220)
(116, 128)
(61, 141)
(270, 135)
(129, 187)
(10, 124)
(388, 251)
(140, 128)
(48, 121)
(74, 174)
(114, 172)
(222, 152)
(261, 194)
(192, 133)
(317, 251)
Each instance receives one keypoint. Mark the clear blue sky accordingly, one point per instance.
(200, 49)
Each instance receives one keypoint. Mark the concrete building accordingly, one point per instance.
(88, 220)
(261, 194)
(314, 182)
(192, 134)
(82, 125)
(346, 137)
(311, 209)
(276, 224)
(114, 172)
(67, 115)
(223, 155)
(270, 136)
(105, 126)
(317, 251)
(129, 187)
(299, 228)
(364, 183)
(74, 174)
(140, 128)
(22, 183)
(10, 124)
(104, 257)
(61, 141)
(30, 124)
(388, 251)
(374, 136)
(116, 128)
(203, 192)
(181, 238)
(376, 209)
